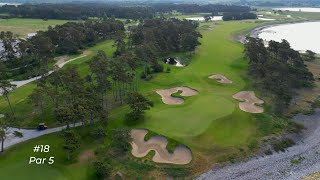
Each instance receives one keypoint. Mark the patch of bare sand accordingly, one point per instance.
(222, 79)
(86, 52)
(87, 156)
(170, 100)
(140, 148)
(249, 102)
(315, 176)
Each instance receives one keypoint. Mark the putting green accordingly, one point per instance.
(191, 119)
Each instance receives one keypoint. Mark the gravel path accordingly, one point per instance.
(278, 165)
(31, 134)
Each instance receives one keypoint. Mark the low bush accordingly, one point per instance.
(282, 144)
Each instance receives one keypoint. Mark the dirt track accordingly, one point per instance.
(278, 165)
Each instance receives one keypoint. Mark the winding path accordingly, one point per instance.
(60, 65)
(24, 82)
(31, 134)
(278, 165)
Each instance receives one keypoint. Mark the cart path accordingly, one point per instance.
(29, 134)
(278, 165)
(60, 65)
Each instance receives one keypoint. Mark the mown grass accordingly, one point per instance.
(15, 160)
(22, 27)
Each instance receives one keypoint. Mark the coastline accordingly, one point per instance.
(256, 31)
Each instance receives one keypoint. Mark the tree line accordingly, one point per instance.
(196, 8)
(277, 69)
(77, 11)
(32, 56)
(84, 11)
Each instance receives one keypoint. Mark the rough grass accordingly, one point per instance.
(22, 27)
(15, 161)
(177, 94)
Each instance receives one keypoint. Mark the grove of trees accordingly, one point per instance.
(84, 11)
(277, 69)
(77, 11)
(22, 58)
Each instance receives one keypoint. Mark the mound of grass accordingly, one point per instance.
(139, 167)
(172, 144)
(282, 145)
(177, 94)
(297, 160)
(177, 172)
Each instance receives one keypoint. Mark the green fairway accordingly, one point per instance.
(22, 27)
(202, 113)
(210, 123)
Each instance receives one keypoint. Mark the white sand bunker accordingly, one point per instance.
(250, 103)
(140, 148)
(222, 79)
(170, 100)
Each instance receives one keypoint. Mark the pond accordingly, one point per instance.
(301, 36)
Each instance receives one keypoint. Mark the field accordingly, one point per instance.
(210, 123)
(22, 27)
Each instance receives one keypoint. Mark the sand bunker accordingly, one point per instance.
(250, 103)
(168, 99)
(222, 79)
(158, 144)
